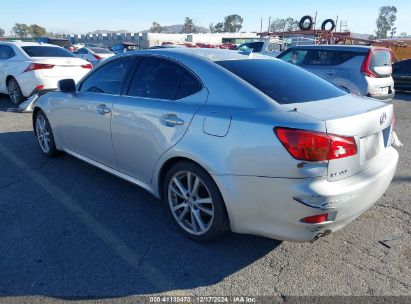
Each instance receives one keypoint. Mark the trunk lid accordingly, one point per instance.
(63, 67)
(368, 121)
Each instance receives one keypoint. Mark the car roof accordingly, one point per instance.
(337, 47)
(207, 53)
(23, 43)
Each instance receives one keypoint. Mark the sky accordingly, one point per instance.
(82, 16)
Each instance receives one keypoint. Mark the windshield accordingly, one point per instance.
(283, 82)
(101, 51)
(46, 51)
(380, 58)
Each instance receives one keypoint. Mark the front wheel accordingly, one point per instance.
(44, 135)
(195, 202)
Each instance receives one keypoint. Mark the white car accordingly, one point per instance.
(94, 55)
(30, 67)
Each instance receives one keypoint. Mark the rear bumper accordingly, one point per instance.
(273, 207)
(376, 85)
(29, 81)
(383, 97)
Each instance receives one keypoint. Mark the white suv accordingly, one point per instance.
(361, 70)
(29, 67)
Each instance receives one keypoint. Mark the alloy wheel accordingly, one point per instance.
(190, 202)
(43, 133)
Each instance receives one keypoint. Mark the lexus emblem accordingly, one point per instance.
(383, 118)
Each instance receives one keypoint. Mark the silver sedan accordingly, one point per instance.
(249, 144)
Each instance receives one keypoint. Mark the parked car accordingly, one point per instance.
(125, 47)
(361, 70)
(269, 47)
(64, 43)
(29, 67)
(402, 75)
(94, 55)
(225, 141)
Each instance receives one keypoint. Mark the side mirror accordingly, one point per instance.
(67, 85)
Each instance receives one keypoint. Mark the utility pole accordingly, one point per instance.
(269, 24)
(261, 25)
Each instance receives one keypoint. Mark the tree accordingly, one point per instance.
(218, 28)
(1, 32)
(385, 21)
(233, 23)
(37, 31)
(156, 28)
(20, 30)
(282, 25)
(403, 34)
(189, 27)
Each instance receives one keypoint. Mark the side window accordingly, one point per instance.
(156, 78)
(322, 57)
(82, 51)
(294, 56)
(6, 52)
(274, 47)
(188, 86)
(110, 78)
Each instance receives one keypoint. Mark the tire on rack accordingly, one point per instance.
(302, 25)
(15, 93)
(194, 202)
(44, 134)
(324, 25)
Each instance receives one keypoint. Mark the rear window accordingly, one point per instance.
(283, 82)
(101, 51)
(46, 51)
(380, 58)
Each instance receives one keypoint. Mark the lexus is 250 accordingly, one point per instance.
(250, 144)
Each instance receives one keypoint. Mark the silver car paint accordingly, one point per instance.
(257, 177)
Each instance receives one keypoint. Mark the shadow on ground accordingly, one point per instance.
(127, 245)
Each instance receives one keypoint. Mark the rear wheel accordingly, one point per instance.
(14, 91)
(45, 135)
(195, 202)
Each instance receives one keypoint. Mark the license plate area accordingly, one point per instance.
(372, 145)
(384, 91)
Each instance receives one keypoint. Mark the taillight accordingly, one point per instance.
(97, 57)
(87, 66)
(365, 67)
(315, 146)
(38, 66)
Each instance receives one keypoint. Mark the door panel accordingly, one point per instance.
(85, 127)
(143, 129)
(85, 117)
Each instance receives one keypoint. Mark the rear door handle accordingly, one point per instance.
(330, 73)
(171, 120)
(103, 109)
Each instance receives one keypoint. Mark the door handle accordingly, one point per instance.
(330, 73)
(171, 120)
(103, 109)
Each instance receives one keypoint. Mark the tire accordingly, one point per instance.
(44, 134)
(304, 27)
(203, 222)
(324, 25)
(14, 91)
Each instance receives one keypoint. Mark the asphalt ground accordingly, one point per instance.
(69, 231)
